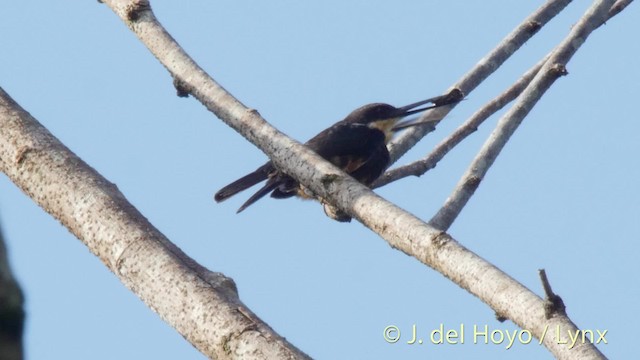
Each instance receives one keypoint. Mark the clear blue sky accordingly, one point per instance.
(563, 196)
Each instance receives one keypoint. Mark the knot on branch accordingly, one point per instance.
(454, 96)
(533, 27)
(182, 89)
(441, 239)
(135, 10)
(253, 112)
(22, 154)
(558, 70)
(329, 179)
(473, 182)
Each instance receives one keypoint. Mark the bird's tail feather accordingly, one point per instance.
(245, 182)
(267, 188)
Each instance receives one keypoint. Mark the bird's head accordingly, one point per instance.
(386, 118)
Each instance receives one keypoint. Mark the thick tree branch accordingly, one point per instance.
(553, 68)
(202, 305)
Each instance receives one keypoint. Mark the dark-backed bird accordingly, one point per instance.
(357, 145)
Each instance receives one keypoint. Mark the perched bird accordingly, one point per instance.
(357, 145)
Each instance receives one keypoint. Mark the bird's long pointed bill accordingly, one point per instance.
(411, 108)
(451, 98)
(413, 122)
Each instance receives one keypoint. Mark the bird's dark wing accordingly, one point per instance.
(357, 149)
(374, 165)
(345, 138)
(245, 182)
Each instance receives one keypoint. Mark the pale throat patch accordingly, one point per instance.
(385, 126)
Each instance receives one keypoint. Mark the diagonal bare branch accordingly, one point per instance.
(202, 305)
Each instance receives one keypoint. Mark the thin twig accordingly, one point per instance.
(550, 72)
(485, 67)
(419, 167)
(553, 304)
